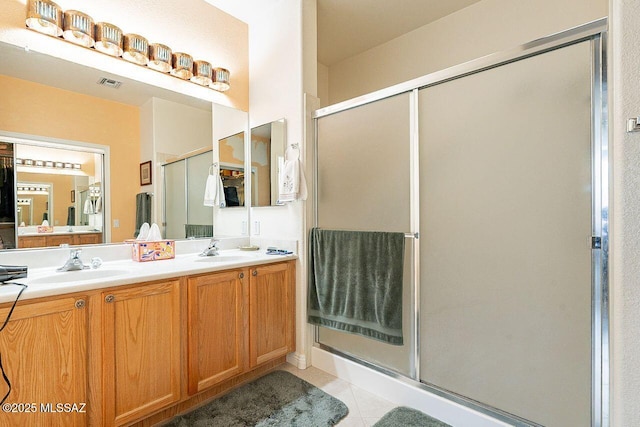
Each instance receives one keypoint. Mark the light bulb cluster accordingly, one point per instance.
(77, 27)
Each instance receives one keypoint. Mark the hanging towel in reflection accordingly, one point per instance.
(98, 208)
(292, 184)
(71, 215)
(214, 191)
(231, 196)
(88, 207)
(355, 282)
(143, 210)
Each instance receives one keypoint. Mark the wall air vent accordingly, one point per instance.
(113, 84)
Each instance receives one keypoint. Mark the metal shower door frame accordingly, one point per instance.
(596, 33)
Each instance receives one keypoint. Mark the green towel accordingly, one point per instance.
(355, 282)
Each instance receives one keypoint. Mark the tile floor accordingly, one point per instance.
(365, 408)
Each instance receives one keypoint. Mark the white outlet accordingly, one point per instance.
(256, 228)
(116, 223)
(245, 228)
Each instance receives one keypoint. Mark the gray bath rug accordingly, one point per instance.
(407, 417)
(277, 399)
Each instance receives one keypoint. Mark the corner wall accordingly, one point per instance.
(624, 65)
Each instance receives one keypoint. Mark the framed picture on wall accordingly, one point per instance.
(145, 173)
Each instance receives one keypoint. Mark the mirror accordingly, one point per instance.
(267, 155)
(58, 188)
(33, 200)
(123, 121)
(232, 159)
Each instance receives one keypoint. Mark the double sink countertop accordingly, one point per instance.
(118, 268)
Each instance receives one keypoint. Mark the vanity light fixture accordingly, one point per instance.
(135, 49)
(159, 57)
(201, 73)
(45, 16)
(182, 65)
(78, 28)
(108, 39)
(220, 79)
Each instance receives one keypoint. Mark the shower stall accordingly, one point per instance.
(497, 172)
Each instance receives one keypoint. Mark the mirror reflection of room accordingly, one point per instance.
(231, 152)
(267, 155)
(57, 188)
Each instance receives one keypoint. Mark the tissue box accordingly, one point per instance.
(45, 229)
(153, 251)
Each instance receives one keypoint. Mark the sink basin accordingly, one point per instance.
(78, 276)
(223, 258)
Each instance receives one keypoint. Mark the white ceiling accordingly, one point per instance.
(350, 27)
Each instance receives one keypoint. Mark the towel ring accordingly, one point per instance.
(213, 168)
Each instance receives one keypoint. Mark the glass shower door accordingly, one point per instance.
(505, 227)
(364, 184)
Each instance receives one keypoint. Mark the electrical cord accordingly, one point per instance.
(6, 321)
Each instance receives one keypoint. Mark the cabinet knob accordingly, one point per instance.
(241, 275)
(254, 273)
(80, 303)
(109, 298)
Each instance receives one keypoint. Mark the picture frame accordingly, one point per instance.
(145, 173)
(73, 196)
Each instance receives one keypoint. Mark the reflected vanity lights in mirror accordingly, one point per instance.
(268, 143)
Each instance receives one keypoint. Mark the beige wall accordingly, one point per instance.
(35, 109)
(486, 27)
(625, 204)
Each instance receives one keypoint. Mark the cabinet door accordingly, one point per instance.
(271, 318)
(44, 355)
(141, 351)
(217, 327)
(63, 239)
(87, 239)
(32, 242)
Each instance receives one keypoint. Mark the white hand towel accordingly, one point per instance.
(99, 205)
(214, 191)
(88, 207)
(144, 232)
(210, 191)
(292, 184)
(154, 233)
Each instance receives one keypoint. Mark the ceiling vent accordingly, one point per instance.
(113, 84)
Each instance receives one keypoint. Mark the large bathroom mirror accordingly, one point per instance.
(131, 119)
(268, 144)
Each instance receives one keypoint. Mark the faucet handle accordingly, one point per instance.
(214, 243)
(75, 253)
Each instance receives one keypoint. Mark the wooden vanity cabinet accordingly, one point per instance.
(141, 350)
(44, 355)
(216, 327)
(271, 312)
(46, 240)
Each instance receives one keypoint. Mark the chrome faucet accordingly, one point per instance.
(74, 262)
(212, 249)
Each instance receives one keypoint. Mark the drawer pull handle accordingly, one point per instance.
(242, 275)
(109, 298)
(254, 273)
(80, 303)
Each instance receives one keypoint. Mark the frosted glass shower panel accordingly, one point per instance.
(505, 214)
(197, 172)
(364, 167)
(175, 199)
